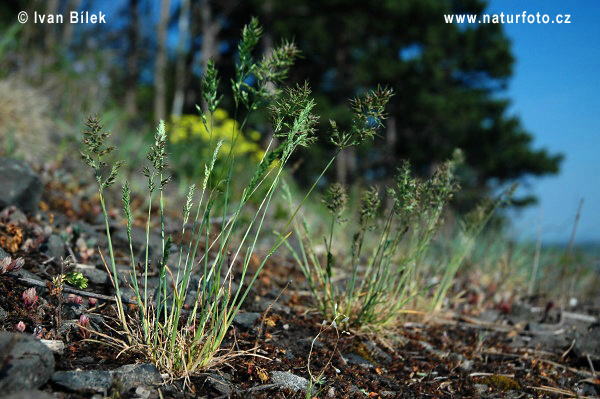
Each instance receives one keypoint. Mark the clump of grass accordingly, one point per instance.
(178, 342)
(373, 284)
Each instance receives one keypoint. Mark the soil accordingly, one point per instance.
(464, 352)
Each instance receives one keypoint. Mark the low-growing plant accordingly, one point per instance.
(317, 383)
(180, 342)
(378, 277)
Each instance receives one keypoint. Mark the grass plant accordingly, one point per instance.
(380, 275)
(182, 343)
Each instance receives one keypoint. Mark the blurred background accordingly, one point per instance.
(520, 100)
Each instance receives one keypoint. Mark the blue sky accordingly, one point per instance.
(555, 91)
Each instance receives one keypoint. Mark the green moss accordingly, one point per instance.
(501, 383)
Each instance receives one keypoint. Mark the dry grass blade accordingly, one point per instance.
(557, 391)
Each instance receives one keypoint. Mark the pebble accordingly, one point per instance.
(288, 380)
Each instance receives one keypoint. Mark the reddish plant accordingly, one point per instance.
(9, 265)
(72, 298)
(30, 297)
(84, 327)
(20, 327)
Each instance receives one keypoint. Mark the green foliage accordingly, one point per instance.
(272, 68)
(77, 280)
(367, 118)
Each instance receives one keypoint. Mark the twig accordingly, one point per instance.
(490, 374)
(555, 390)
(565, 353)
(41, 283)
(589, 359)
(571, 369)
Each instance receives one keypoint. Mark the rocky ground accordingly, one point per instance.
(516, 350)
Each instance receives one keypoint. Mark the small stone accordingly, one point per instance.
(588, 345)
(3, 253)
(17, 217)
(72, 311)
(3, 314)
(135, 375)
(55, 247)
(142, 393)
(94, 275)
(220, 383)
(20, 185)
(245, 321)
(126, 377)
(92, 380)
(467, 365)
(31, 363)
(288, 380)
(588, 390)
(481, 388)
(357, 360)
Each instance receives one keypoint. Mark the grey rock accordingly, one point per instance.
(3, 254)
(357, 360)
(143, 393)
(55, 247)
(489, 315)
(72, 311)
(3, 314)
(27, 274)
(377, 351)
(67, 328)
(92, 380)
(17, 216)
(20, 185)
(136, 375)
(481, 388)
(285, 379)
(93, 237)
(588, 345)
(31, 363)
(126, 377)
(588, 390)
(467, 365)
(29, 394)
(521, 313)
(245, 321)
(220, 383)
(93, 274)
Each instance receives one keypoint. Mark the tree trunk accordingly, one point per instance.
(182, 41)
(160, 65)
(50, 35)
(210, 30)
(67, 34)
(132, 59)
